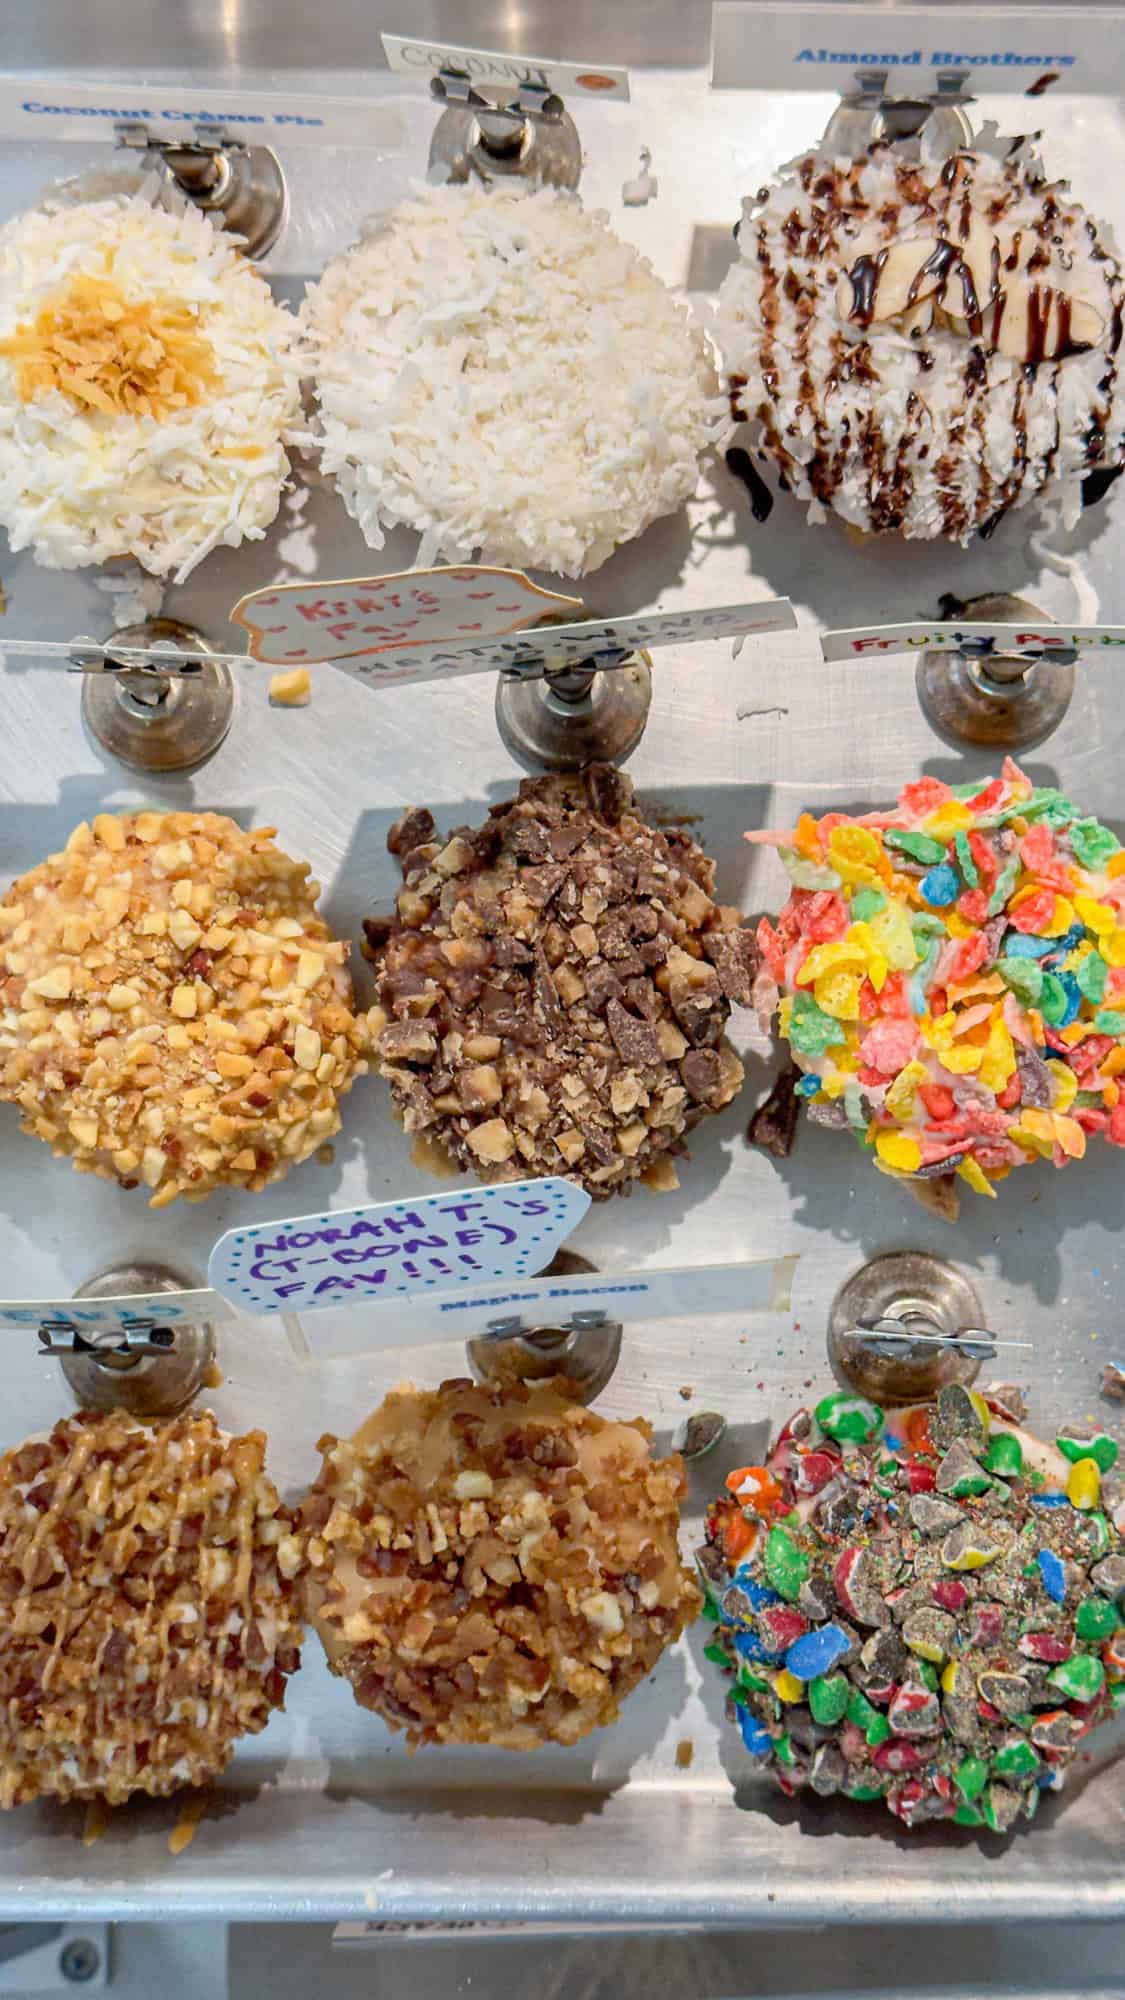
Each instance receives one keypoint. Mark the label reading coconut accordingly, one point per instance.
(488, 66)
(47, 108)
(757, 45)
(970, 635)
(292, 624)
(397, 1249)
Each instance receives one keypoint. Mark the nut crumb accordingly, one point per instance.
(685, 1751)
(292, 689)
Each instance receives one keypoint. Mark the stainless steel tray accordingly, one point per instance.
(326, 1814)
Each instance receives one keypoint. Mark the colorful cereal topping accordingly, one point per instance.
(950, 977)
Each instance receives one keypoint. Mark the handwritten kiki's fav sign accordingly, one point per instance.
(397, 1248)
(423, 624)
(294, 624)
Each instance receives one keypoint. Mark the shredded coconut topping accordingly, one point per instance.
(906, 418)
(146, 380)
(498, 371)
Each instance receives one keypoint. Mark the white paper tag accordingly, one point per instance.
(291, 624)
(114, 1315)
(397, 1249)
(757, 45)
(47, 109)
(689, 1292)
(488, 66)
(969, 635)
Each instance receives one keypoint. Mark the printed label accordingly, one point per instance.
(757, 45)
(397, 1249)
(688, 1292)
(970, 636)
(47, 108)
(528, 654)
(425, 59)
(293, 623)
(115, 1315)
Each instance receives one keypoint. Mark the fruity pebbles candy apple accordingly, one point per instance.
(923, 1607)
(950, 977)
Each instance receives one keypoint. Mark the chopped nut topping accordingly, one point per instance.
(495, 1565)
(555, 985)
(149, 1606)
(185, 1058)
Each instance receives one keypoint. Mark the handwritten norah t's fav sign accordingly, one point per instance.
(293, 624)
(757, 45)
(970, 635)
(397, 1249)
(489, 66)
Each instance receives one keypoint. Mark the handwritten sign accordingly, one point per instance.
(386, 631)
(116, 1315)
(487, 66)
(397, 1249)
(291, 624)
(757, 45)
(970, 636)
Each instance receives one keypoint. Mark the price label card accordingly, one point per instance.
(411, 57)
(397, 1249)
(116, 1315)
(757, 45)
(47, 108)
(291, 624)
(969, 635)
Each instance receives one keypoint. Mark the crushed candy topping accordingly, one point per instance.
(896, 1629)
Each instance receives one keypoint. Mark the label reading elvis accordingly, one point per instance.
(397, 1248)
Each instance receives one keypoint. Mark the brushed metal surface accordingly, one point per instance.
(326, 1814)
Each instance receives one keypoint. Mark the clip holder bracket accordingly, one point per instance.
(584, 1348)
(868, 115)
(242, 187)
(494, 133)
(562, 718)
(988, 700)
